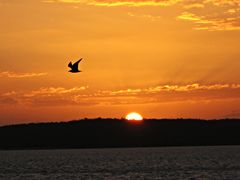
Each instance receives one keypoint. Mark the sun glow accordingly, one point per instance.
(133, 116)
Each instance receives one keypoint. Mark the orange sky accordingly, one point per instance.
(162, 58)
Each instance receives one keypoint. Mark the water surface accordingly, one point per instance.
(221, 162)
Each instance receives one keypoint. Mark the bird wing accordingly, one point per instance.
(70, 65)
(75, 65)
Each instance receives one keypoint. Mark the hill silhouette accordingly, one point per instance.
(106, 133)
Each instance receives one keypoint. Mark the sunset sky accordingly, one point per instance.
(160, 58)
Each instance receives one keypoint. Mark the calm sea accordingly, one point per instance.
(129, 163)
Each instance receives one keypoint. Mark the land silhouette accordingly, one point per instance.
(110, 133)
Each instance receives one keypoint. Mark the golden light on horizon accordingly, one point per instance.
(133, 116)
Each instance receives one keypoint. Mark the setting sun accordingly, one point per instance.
(134, 116)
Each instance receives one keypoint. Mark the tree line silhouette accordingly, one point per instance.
(109, 133)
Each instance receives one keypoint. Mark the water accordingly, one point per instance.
(128, 163)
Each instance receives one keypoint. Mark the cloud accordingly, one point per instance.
(212, 24)
(112, 3)
(194, 5)
(55, 91)
(173, 93)
(233, 114)
(82, 96)
(20, 75)
(53, 96)
(176, 88)
(7, 100)
(223, 2)
(145, 16)
(46, 96)
(211, 15)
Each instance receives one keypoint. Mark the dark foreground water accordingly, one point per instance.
(130, 163)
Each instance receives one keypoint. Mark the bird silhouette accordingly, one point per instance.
(74, 67)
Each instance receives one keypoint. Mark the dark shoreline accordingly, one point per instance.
(119, 133)
(109, 148)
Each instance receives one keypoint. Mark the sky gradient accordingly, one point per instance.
(162, 58)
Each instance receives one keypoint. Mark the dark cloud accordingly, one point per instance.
(7, 101)
(233, 114)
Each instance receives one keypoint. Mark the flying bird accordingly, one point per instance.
(74, 67)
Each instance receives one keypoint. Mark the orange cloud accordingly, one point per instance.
(174, 88)
(159, 94)
(20, 75)
(213, 15)
(145, 16)
(47, 96)
(170, 93)
(194, 5)
(55, 91)
(223, 2)
(111, 3)
(208, 23)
